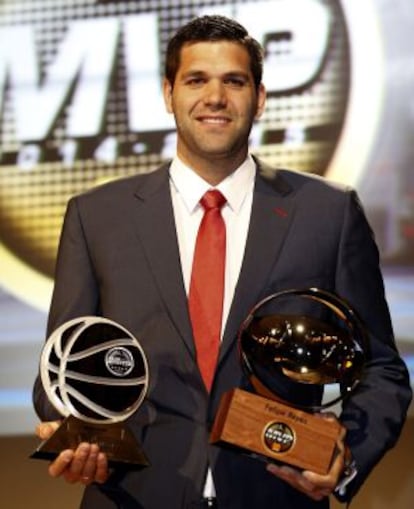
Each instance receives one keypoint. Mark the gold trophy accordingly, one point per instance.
(295, 345)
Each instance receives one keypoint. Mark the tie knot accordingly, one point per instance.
(212, 199)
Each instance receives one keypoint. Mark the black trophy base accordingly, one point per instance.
(115, 440)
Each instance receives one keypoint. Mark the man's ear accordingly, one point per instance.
(261, 101)
(167, 92)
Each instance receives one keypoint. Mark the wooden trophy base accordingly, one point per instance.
(275, 431)
(115, 440)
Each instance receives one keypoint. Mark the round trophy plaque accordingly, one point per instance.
(95, 374)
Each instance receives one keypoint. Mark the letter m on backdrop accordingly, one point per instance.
(80, 72)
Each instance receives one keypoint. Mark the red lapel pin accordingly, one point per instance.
(280, 212)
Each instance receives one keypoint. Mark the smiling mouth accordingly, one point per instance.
(216, 121)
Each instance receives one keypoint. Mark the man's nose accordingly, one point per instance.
(215, 93)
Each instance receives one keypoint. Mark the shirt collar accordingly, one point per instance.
(234, 188)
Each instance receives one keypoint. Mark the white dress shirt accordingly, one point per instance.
(187, 189)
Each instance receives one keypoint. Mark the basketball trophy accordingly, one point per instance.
(302, 351)
(95, 374)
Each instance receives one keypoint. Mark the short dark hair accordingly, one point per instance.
(213, 28)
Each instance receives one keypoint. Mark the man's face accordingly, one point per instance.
(214, 102)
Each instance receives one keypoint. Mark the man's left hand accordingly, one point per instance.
(316, 486)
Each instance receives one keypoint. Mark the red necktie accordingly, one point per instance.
(207, 284)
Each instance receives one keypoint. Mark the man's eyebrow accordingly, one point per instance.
(194, 72)
(227, 74)
(237, 74)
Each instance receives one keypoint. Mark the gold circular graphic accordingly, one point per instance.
(302, 127)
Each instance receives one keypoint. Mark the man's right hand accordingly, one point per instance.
(86, 464)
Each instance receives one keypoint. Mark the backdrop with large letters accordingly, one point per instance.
(81, 104)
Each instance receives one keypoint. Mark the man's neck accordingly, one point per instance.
(213, 171)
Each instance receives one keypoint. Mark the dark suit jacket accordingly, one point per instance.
(119, 258)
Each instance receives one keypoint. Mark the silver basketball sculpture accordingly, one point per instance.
(95, 373)
(94, 369)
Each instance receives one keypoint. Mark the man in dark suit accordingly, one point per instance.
(126, 253)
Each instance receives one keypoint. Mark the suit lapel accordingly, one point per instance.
(154, 220)
(272, 213)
